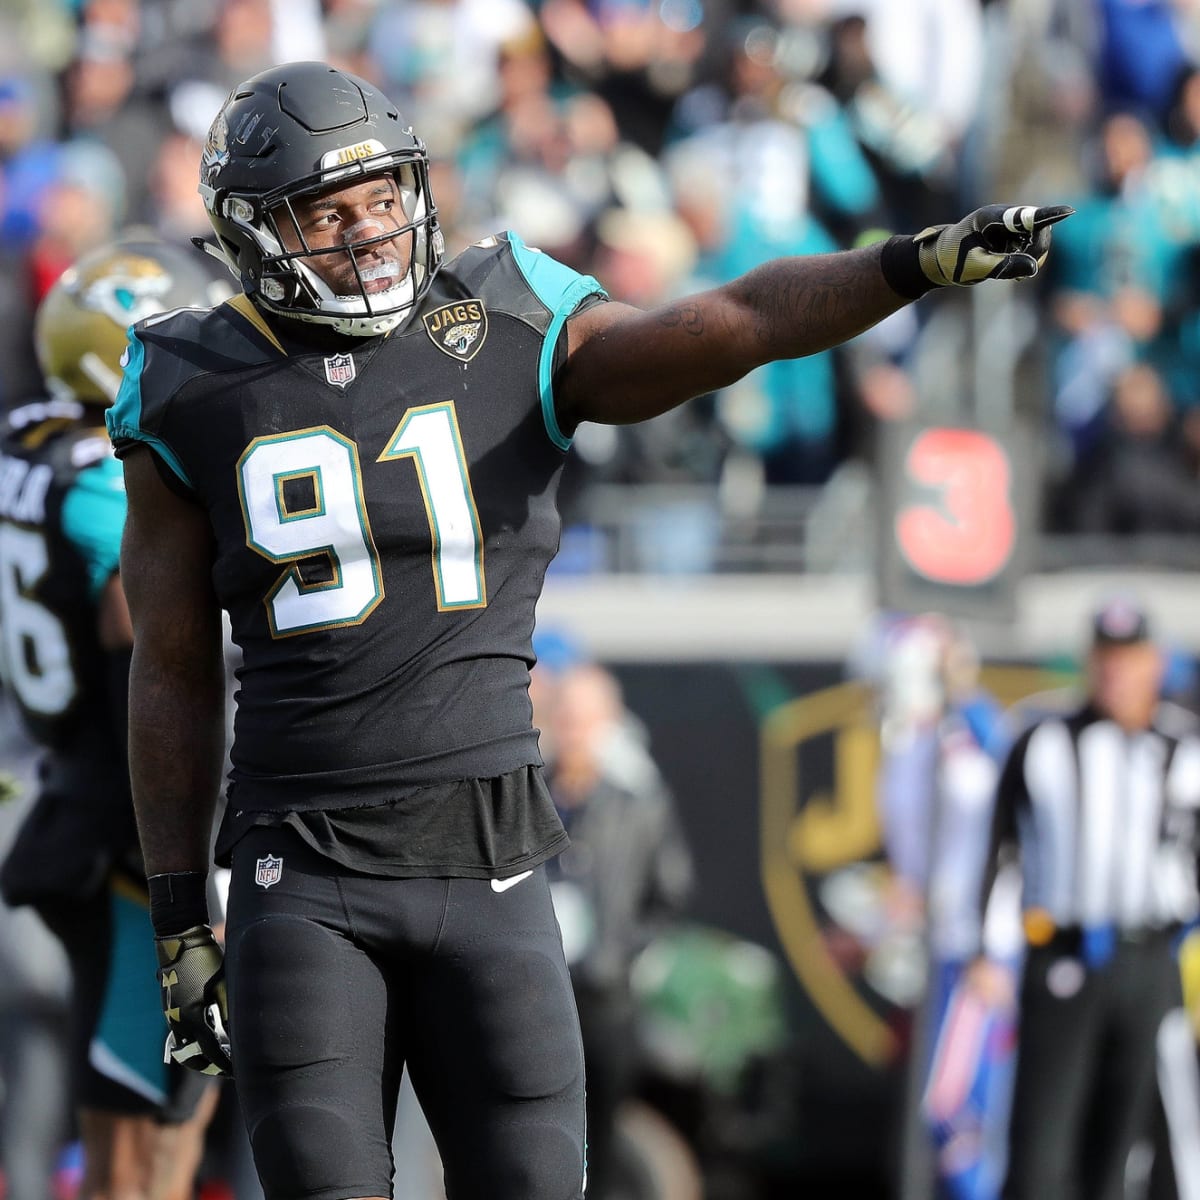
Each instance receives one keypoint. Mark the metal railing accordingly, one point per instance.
(695, 530)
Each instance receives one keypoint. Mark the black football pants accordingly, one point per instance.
(1086, 1057)
(339, 980)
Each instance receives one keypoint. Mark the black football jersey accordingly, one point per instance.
(62, 509)
(384, 514)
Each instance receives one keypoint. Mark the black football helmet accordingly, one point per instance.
(295, 131)
(79, 331)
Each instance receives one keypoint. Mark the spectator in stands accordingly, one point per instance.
(103, 102)
(28, 160)
(910, 104)
(788, 145)
(243, 40)
(440, 59)
(785, 138)
(639, 56)
(175, 208)
(79, 210)
(1111, 287)
(515, 162)
(28, 166)
(1140, 53)
(626, 871)
(941, 736)
(551, 162)
(1139, 478)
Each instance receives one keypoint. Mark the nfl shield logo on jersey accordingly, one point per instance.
(339, 370)
(268, 871)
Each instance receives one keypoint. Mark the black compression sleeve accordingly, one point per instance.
(178, 900)
(900, 262)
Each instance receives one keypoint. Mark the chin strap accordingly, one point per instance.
(215, 251)
(399, 299)
(347, 326)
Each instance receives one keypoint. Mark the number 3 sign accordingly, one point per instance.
(952, 526)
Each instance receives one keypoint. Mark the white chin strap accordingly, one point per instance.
(345, 313)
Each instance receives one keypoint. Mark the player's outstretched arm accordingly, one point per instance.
(176, 681)
(627, 365)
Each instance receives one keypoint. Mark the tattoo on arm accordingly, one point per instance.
(806, 304)
(686, 316)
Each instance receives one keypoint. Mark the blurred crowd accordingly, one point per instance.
(666, 145)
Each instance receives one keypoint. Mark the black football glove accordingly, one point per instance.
(992, 243)
(995, 242)
(191, 972)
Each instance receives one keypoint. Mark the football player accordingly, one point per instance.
(66, 639)
(357, 458)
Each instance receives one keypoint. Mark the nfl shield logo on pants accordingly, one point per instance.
(339, 370)
(268, 871)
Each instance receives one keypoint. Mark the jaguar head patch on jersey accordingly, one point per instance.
(458, 329)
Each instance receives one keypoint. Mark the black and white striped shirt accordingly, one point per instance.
(1105, 821)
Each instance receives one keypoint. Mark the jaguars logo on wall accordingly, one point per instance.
(852, 932)
(458, 329)
(823, 874)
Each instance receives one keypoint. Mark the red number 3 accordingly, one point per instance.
(968, 535)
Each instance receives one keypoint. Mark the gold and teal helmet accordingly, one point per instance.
(80, 327)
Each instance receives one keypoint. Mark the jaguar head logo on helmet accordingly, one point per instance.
(319, 197)
(80, 328)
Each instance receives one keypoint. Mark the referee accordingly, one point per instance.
(1102, 805)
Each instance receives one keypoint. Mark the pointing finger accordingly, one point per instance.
(1051, 215)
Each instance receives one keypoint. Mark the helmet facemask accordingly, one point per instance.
(339, 285)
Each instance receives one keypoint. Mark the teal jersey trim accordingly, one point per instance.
(124, 418)
(127, 1044)
(561, 290)
(93, 516)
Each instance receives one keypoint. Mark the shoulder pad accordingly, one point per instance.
(169, 350)
(212, 341)
(509, 276)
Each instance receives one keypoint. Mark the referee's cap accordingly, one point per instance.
(1120, 621)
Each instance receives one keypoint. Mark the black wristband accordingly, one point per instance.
(900, 261)
(178, 900)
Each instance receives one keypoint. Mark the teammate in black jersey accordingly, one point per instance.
(66, 646)
(357, 458)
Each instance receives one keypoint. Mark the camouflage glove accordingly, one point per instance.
(191, 972)
(995, 242)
